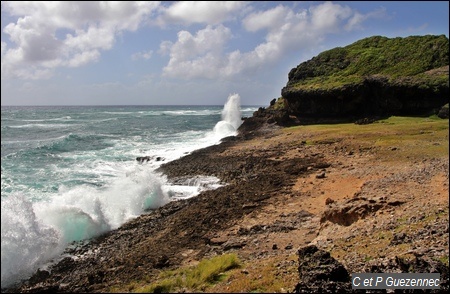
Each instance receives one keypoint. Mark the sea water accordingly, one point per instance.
(69, 173)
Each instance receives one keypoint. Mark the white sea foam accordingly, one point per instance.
(47, 126)
(33, 233)
(26, 242)
(48, 119)
(189, 112)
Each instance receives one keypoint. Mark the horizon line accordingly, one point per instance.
(115, 105)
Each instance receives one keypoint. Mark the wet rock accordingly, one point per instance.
(142, 159)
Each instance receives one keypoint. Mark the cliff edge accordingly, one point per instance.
(373, 77)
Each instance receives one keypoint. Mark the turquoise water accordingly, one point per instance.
(70, 173)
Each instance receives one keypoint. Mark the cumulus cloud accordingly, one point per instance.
(275, 17)
(49, 34)
(198, 55)
(286, 30)
(329, 17)
(206, 12)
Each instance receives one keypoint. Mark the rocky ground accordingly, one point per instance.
(294, 198)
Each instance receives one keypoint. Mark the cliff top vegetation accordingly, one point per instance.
(411, 60)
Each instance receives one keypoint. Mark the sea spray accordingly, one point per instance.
(26, 242)
(232, 111)
(33, 233)
(231, 117)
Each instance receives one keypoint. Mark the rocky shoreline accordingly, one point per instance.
(291, 198)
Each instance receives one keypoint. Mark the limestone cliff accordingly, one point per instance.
(376, 76)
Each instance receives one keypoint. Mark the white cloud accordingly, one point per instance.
(55, 34)
(206, 12)
(286, 31)
(356, 21)
(164, 47)
(267, 19)
(198, 55)
(35, 45)
(329, 17)
(142, 55)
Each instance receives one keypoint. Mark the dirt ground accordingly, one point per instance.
(413, 186)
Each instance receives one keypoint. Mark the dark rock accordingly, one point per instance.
(415, 265)
(143, 159)
(329, 201)
(399, 239)
(289, 247)
(39, 276)
(321, 273)
(320, 176)
(162, 261)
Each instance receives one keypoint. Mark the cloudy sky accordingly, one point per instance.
(189, 52)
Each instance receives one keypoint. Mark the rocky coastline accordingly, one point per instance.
(286, 190)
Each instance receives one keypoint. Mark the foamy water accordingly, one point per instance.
(79, 180)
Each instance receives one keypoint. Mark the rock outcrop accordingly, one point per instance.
(321, 273)
(373, 77)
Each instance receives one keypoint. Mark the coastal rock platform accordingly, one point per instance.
(373, 202)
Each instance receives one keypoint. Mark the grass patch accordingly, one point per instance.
(412, 137)
(266, 275)
(280, 103)
(195, 278)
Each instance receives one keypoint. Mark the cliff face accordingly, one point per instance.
(376, 76)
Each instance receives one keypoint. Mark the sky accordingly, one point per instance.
(183, 53)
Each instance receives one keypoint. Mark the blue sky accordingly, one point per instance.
(185, 53)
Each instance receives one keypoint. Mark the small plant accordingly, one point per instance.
(207, 272)
(368, 258)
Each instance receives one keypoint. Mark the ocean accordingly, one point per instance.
(69, 173)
